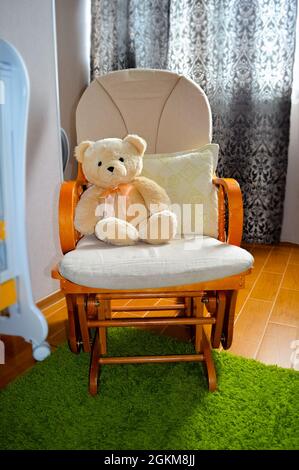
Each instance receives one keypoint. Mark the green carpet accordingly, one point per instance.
(150, 406)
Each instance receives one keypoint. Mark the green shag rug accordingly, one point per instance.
(150, 406)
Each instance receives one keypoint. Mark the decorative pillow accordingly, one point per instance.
(187, 178)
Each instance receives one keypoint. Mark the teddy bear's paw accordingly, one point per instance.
(116, 231)
(161, 227)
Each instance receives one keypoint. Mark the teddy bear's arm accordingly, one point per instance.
(85, 218)
(155, 197)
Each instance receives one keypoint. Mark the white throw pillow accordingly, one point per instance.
(187, 178)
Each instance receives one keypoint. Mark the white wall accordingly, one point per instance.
(29, 26)
(73, 43)
(290, 227)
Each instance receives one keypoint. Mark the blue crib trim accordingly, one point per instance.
(25, 319)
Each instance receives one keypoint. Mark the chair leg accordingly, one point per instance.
(99, 346)
(81, 302)
(104, 312)
(74, 336)
(229, 317)
(94, 369)
(198, 312)
(218, 326)
(202, 344)
(209, 363)
(188, 306)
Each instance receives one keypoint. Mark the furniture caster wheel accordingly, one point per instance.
(42, 351)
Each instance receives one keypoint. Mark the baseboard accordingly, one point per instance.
(49, 300)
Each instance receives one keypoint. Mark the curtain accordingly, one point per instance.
(128, 34)
(241, 53)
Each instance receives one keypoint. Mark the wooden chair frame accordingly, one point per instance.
(91, 308)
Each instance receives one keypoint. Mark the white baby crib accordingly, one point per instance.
(18, 314)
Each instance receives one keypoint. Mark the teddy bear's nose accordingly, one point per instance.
(110, 168)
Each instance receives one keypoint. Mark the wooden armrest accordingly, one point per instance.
(55, 274)
(230, 188)
(70, 193)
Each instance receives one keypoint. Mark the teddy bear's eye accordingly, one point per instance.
(121, 159)
(100, 163)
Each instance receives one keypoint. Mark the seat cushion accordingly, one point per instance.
(96, 264)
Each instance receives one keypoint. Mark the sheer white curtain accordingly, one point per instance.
(290, 227)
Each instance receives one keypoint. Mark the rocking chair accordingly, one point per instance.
(172, 113)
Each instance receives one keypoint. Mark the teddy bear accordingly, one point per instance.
(120, 206)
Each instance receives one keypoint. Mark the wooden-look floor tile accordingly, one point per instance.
(260, 255)
(57, 321)
(137, 314)
(282, 247)
(250, 324)
(266, 286)
(119, 303)
(58, 337)
(139, 303)
(277, 260)
(252, 277)
(242, 296)
(291, 277)
(167, 301)
(259, 250)
(162, 313)
(275, 347)
(14, 346)
(243, 347)
(286, 308)
(142, 302)
(294, 259)
(18, 358)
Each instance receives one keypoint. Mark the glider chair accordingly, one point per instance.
(172, 114)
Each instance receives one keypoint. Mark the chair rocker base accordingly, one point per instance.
(204, 315)
(93, 311)
(97, 360)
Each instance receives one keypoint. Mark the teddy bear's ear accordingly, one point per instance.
(81, 149)
(137, 141)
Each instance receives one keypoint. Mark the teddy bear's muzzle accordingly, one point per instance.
(117, 169)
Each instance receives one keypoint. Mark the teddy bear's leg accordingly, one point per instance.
(160, 228)
(116, 231)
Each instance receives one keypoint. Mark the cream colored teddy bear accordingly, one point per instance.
(121, 206)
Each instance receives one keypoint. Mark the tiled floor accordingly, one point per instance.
(267, 316)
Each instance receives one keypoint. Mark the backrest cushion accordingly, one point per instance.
(187, 178)
(168, 110)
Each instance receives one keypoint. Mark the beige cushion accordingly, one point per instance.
(99, 265)
(168, 110)
(187, 178)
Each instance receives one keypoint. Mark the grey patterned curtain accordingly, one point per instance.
(241, 53)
